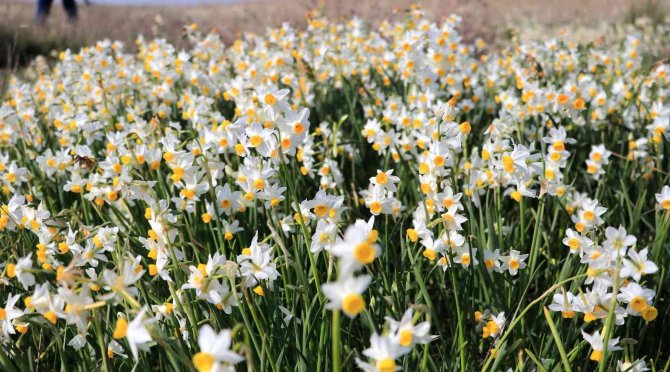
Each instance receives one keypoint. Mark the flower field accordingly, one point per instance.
(339, 197)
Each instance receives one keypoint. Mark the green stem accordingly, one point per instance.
(337, 367)
(609, 324)
(461, 336)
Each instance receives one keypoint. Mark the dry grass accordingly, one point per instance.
(484, 18)
(98, 21)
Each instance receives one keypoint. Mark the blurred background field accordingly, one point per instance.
(496, 21)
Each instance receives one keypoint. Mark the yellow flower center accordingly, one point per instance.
(364, 253)
(413, 235)
(270, 99)
(386, 365)
(321, 210)
(649, 314)
(188, 193)
(638, 304)
(596, 355)
(51, 317)
(121, 328)
(568, 314)
(255, 140)
(406, 337)
(324, 238)
(259, 184)
(573, 243)
(376, 207)
(259, 290)
(430, 254)
(589, 317)
(353, 304)
(490, 329)
(513, 263)
(177, 174)
(508, 163)
(203, 362)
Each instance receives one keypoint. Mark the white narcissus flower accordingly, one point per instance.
(383, 352)
(355, 250)
(514, 161)
(206, 288)
(575, 241)
(386, 180)
(324, 236)
(276, 100)
(432, 247)
(114, 348)
(452, 219)
(406, 333)
(379, 200)
(636, 366)
(261, 139)
(663, 198)
(563, 302)
(597, 344)
(215, 354)
(135, 332)
(494, 325)
(8, 314)
(618, 239)
(514, 262)
(637, 264)
(346, 294)
(492, 260)
(639, 300)
(465, 257)
(256, 263)
(78, 342)
(20, 270)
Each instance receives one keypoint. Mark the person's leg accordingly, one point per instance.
(43, 7)
(71, 9)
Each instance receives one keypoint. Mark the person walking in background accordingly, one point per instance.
(44, 6)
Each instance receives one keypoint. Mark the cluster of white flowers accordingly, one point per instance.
(126, 179)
